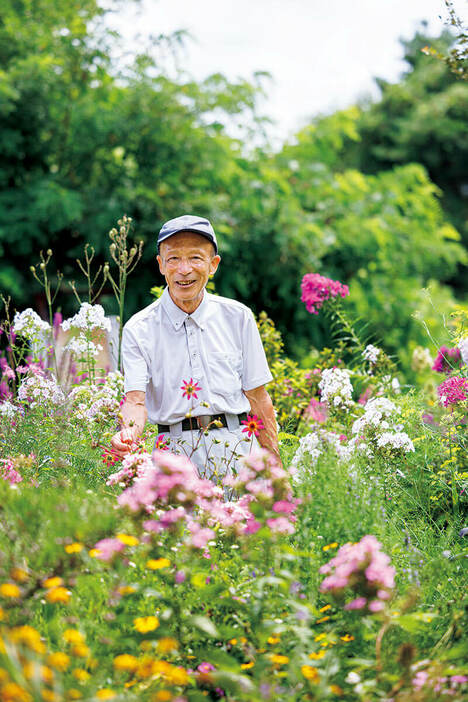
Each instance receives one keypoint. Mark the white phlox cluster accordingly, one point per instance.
(335, 388)
(8, 410)
(38, 389)
(463, 346)
(29, 324)
(377, 412)
(395, 440)
(371, 354)
(313, 445)
(88, 317)
(82, 347)
(95, 403)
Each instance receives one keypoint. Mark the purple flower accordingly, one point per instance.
(316, 289)
(447, 359)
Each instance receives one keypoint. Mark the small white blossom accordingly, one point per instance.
(82, 347)
(8, 410)
(88, 318)
(463, 346)
(98, 402)
(37, 390)
(398, 440)
(335, 387)
(421, 359)
(29, 324)
(371, 354)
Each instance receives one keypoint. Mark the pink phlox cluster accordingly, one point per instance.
(443, 685)
(6, 369)
(365, 570)
(316, 289)
(453, 390)
(107, 548)
(447, 359)
(133, 466)
(316, 411)
(8, 471)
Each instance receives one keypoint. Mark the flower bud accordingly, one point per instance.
(113, 231)
(133, 251)
(42, 266)
(105, 270)
(32, 269)
(112, 248)
(122, 231)
(49, 252)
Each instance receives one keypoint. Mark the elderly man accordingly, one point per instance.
(194, 362)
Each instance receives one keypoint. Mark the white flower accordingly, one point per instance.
(83, 347)
(397, 440)
(421, 359)
(463, 346)
(376, 411)
(8, 410)
(29, 324)
(371, 354)
(98, 402)
(37, 389)
(88, 318)
(335, 387)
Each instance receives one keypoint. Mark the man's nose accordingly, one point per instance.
(184, 266)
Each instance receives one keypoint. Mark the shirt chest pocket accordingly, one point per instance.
(225, 371)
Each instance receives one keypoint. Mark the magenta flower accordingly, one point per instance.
(453, 390)
(190, 388)
(253, 425)
(8, 471)
(447, 359)
(162, 443)
(316, 289)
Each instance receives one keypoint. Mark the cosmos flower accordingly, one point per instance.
(190, 388)
(253, 425)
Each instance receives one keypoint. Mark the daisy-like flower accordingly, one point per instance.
(162, 443)
(253, 425)
(190, 388)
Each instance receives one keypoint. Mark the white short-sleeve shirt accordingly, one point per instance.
(218, 346)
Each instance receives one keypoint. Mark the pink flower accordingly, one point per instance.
(253, 425)
(107, 548)
(190, 388)
(180, 577)
(317, 411)
(8, 471)
(316, 289)
(447, 359)
(358, 603)
(453, 390)
(162, 443)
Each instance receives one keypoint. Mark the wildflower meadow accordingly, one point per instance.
(337, 573)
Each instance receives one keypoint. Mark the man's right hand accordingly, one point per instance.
(133, 422)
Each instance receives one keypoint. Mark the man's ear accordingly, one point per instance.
(161, 264)
(214, 264)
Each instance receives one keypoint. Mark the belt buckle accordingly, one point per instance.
(203, 421)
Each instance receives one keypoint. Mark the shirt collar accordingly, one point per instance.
(178, 316)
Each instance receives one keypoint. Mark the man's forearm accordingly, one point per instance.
(133, 412)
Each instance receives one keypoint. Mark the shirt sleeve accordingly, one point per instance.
(134, 365)
(255, 371)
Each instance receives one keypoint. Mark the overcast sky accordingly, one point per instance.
(322, 54)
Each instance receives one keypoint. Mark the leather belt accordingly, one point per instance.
(205, 421)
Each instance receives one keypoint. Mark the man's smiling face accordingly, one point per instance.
(187, 260)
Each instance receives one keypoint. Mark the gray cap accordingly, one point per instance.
(188, 223)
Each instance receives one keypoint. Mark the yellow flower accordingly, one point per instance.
(336, 690)
(128, 540)
(329, 546)
(19, 574)
(31, 669)
(9, 590)
(80, 650)
(52, 582)
(273, 640)
(246, 666)
(73, 636)
(74, 548)
(323, 619)
(126, 662)
(2, 614)
(310, 673)
(126, 589)
(48, 695)
(319, 637)
(316, 656)
(278, 659)
(105, 694)
(163, 696)
(74, 694)
(11, 692)
(81, 674)
(233, 642)
(58, 594)
(325, 608)
(145, 624)
(167, 644)
(59, 660)
(94, 552)
(176, 676)
(347, 637)
(158, 563)
(28, 636)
